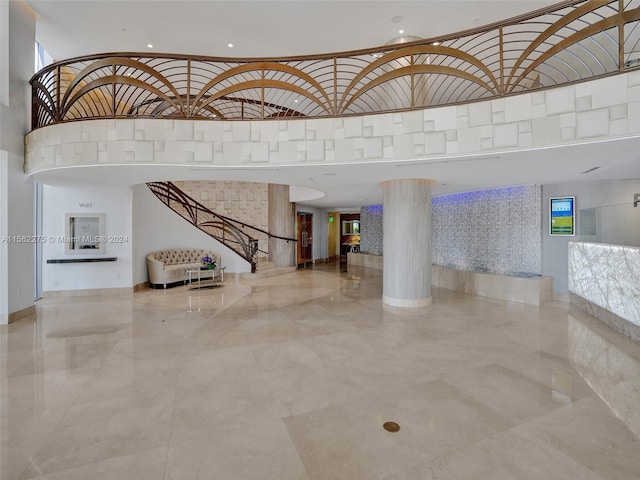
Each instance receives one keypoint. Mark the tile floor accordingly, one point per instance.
(292, 377)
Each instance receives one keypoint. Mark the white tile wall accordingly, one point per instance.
(598, 109)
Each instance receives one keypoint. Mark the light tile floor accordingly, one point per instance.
(292, 377)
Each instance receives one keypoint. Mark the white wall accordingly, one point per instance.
(4, 232)
(4, 53)
(618, 222)
(156, 227)
(115, 204)
(17, 37)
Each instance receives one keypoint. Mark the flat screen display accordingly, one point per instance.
(562, 218)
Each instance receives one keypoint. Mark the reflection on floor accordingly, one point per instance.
(292, 377)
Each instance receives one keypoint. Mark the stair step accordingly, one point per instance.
(262, 266)
(270, 272)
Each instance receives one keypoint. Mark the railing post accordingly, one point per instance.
(413, 86)
(501, 42)
(335, 86)
(113, 90)
(58, 113)
(188, 113)
(620, 37)
(261, 96)
(34, 109)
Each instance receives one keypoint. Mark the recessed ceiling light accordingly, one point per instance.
(295, 101)
(150, 45)
(400, 32)
(435, 44)
(230, 45)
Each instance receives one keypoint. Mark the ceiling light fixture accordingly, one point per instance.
(400, 32)
(435, 44)
(150, 45)
(230, 45)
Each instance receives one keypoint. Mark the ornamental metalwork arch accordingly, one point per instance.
(569, 42)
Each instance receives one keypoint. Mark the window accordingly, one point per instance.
(42, 58)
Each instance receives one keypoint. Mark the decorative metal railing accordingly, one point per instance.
(568, 42)
(231, 233)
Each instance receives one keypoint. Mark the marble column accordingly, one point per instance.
(282, 222)
(407, 242)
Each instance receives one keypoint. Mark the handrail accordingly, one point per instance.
(565, 43)
(226, 230)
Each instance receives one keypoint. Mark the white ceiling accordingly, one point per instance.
(68, 28)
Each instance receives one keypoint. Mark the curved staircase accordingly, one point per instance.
(231, 233)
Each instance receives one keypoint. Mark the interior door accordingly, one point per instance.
(305, 238)
(333, 237)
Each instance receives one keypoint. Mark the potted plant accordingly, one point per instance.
(208, 263)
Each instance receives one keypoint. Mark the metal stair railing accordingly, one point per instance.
(228, 231)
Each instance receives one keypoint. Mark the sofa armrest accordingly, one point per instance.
(156, 270)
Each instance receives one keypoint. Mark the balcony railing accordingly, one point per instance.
(569, 42)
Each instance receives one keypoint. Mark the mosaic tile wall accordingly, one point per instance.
(247, 202)
(495, 231)
(371, 229)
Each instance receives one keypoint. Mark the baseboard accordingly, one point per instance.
(561, 297)
(89, 291)
(141, 286)
(14, 316)
(616, 322)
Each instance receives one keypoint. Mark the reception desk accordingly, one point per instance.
(604, 280)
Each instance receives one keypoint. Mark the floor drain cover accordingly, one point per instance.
(391, 427)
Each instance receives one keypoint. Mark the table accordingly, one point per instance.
(215, 275)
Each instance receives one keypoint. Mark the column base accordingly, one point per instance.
(407, 302)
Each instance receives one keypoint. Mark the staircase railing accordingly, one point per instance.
(228, 231)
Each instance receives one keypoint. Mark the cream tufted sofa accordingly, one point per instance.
(170, 266)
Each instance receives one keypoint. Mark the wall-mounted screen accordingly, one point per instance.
(562, 216)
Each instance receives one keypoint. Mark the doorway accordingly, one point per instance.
(349, 234)
(333, 236)
(305, 238)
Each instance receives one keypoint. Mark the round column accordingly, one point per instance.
(407, 243)
(282, 223)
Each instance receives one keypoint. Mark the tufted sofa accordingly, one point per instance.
(170, 266)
